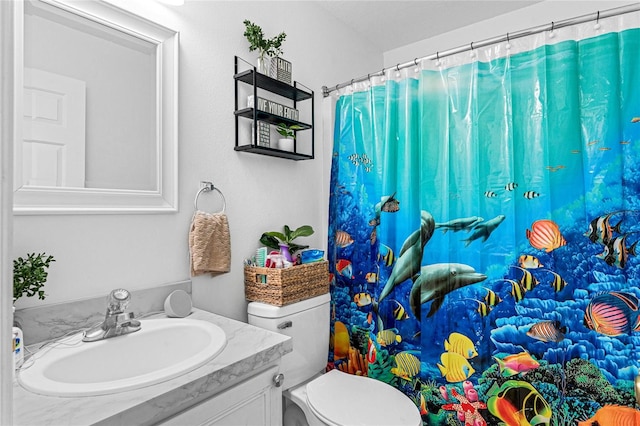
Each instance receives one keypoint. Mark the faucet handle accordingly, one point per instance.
(118, 300)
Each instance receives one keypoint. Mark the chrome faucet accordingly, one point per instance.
(116, 322)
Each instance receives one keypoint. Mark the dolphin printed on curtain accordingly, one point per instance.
(483, 235)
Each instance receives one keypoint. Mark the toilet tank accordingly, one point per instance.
(307, 322)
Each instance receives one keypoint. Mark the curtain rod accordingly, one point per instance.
(326, 91)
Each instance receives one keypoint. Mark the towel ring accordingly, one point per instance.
(206, 187)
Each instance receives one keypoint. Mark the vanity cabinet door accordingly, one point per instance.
(255, 401)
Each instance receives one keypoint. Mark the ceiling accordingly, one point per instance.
(392, 24)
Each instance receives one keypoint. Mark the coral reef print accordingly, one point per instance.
(483, 237)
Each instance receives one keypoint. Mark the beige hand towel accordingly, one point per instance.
(209, 243)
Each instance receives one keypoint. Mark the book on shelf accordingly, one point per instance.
(271, 107)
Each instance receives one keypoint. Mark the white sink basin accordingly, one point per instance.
(161, 350)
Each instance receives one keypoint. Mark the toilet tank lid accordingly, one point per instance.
(265, 310)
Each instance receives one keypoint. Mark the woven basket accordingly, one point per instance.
(283, 286)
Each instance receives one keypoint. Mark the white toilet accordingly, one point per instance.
(334, 398)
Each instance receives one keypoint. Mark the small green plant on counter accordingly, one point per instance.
(288, 131)
(257, 41)
(273, 239)
(30, 274)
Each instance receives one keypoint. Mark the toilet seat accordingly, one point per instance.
(339, 398)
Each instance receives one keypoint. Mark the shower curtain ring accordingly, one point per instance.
(552, 25)
(598, 17)
(507, 37)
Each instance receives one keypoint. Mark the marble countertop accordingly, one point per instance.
(249, 349)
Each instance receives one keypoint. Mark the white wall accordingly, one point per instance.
(96, 253)
(538, 14)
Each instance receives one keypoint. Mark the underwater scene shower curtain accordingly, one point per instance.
(484, 223)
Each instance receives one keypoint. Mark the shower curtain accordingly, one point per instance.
(484, 220)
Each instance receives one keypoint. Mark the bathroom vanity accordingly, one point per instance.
(238, 386)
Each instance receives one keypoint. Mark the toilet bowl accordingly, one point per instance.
(311, 397)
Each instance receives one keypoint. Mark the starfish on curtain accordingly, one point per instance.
(467, 407)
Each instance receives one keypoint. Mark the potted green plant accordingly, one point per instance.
(264, 46)
(284, 241)
(30, 274)
(288, 135)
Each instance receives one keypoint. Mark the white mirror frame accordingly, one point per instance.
(30, 200)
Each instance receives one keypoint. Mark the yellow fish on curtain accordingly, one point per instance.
(209, 243)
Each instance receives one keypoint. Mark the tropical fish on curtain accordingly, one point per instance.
(483, 236)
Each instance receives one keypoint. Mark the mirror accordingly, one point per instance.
(96, 110)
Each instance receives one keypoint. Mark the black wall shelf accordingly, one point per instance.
(293, 92)
(270, 118)
(272, 85)
(273, 152)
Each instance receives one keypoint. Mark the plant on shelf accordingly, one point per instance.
(30, 274)
(264, 46)
(288, 135)
(288, 132)
(284, 241)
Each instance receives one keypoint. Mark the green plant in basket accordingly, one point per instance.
(273, 239)
(30, 274)
(287, 131)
